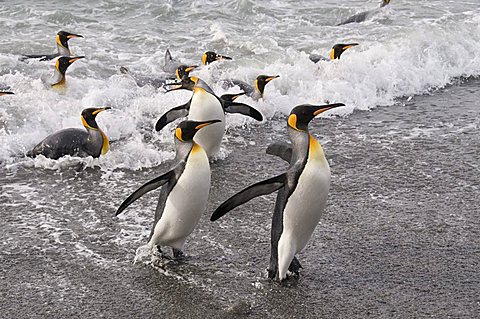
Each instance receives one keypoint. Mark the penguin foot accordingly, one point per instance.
(162, 255)
(294, 267)
(178, 254)
(272, 273)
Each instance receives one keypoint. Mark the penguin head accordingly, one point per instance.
(186, 130)
(64, 62)
(231, 97)
(210, 56)
(184, 70)
(88, 116)
(63, 37)
(301, 115)
(6, 93)
(262, 80)
(338, 49)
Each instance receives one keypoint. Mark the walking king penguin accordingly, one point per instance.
(302, 195)
(184, 196)
(204, 105)
(335, 53)
(58, 79)
(62, 47)
(74, 141)
(362, 16)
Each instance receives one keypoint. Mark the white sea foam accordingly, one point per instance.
(404, 50)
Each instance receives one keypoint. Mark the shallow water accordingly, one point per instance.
(400, 235)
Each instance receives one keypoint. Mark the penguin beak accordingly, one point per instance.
(231, 97)
(75, 59)
(71, 36)
(190, 68)
(178, 86)
(206, 123)
(323, 108)
(101, 110)
(348, 46)
(271, 78)
(223, 57)
(5, 93)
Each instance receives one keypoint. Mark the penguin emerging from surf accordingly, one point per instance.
(62, 47)
(75, 142)
(204, 105)
(171, 65)
(254, 91)
(58, 79)
(159, 81)
(302, 195)
(335, 53)
(362, 16)
(184, 194)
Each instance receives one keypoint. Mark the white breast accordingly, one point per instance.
(185, 203)
(307, 203)
(203, 107)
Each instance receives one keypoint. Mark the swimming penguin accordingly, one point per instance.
(210, 56)
(204, 105)
(6, 93)
(159, 81)
(335, 54)
(362, 16)
(254, 91)
(302, 195)
(75, 142)
(171, 65)
(58, 79)
(184, 196)
(62, 47)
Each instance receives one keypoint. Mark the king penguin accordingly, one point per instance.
(159, 81)
(62, 47)
(75, 142)
(335, 53)
(204, 105)
(58, 79)
(254, 91)
(302, 195)
(183, 199)
(362, 16)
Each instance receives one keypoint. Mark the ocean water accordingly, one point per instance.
(403, 152)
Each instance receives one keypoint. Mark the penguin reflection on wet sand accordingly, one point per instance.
(335, 53)
(362, 16)
(58, 79)
(204, 105)
(171, 65)
(254, 91)
(183, 199)
(62, 47)
(75, 142)
(302, 195)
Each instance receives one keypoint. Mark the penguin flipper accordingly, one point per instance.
(280, 149)
(241, 108)
(42, 57)
(145, 188)
(262, 188)
(172, 115)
